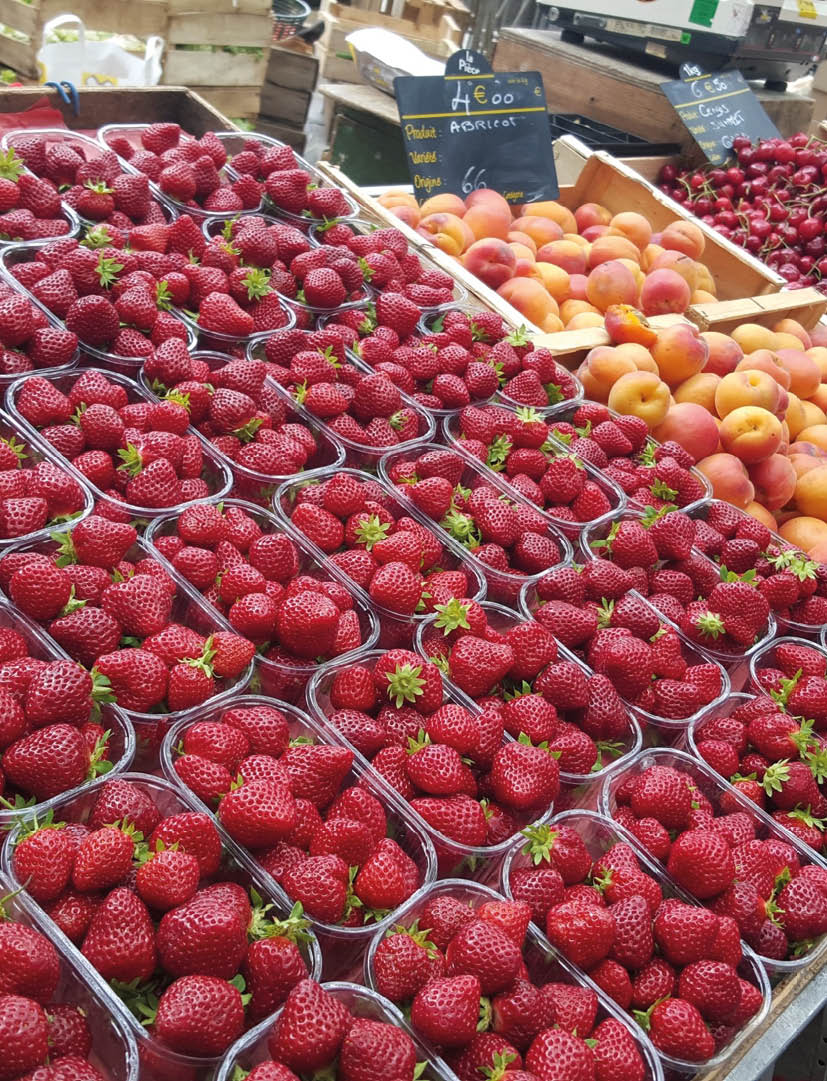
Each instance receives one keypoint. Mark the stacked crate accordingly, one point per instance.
(285, 96)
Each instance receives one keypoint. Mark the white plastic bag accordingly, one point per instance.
(96, 63)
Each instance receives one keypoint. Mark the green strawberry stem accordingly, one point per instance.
(98, 765)
(540, 843)
(452, 616)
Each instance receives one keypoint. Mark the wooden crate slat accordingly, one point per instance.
(19, 16)
(215, 29)
(184, 67)
(115, 16)
(293, 69)
(226, 7)
(282, 104)
(233, 101)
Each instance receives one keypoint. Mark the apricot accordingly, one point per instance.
(541, 230)
(569, 308)
(728, 477)
(820, 397)
(759, 512)
(605, 365)
(591, 214)
(751, 433)
(577, 286)
(816, 434)
(488, 220)
(811, 493)
(818, 551)
(794, 415)
(554, 278)
(700, 296)
(818, 353)
(764, 360)
(565, 254)
(410, 215)
(774, 481)
(443, 204)
(448, 232)
(580, 241)
(664, 291)
(805, 374)
(684, 236)
(639, 356)
(516, 237)
(591, 388)
(786, 341)
(750, 387)
(633, 226)
(492, 260)
(650, 254)
(611, 283)
(641, 394)
(626, 324)
(679, 352)
(608, 248)
(752, 336)
(812, 414)
(531, 299)
(593, 232)
(692, 426)
(792, 326)
(396, 197)
(724, 353)
(681, 264)
(556, 211)
(487, 197)
(584, 320)
(525, 259)
(699, 389)
(804, 531)
(705, 281)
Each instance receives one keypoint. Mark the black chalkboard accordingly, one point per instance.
(716, 109)
(468, 131)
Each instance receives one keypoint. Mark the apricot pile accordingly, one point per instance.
(563, 269)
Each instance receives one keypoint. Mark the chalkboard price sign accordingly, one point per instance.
(484, 130)
(716, 109)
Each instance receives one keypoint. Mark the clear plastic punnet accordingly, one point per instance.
(13, 138)
(544, 964)
(121, 741)
(503, 586)
(251, 1049)
(35, 450)
(214, 472)
(453, 857)
(342, 946)
(578, 788)
(654, 726)
(217, 341)
(396, 629)
(737, 662)
(765, 658)
(250, 483)
(718, 792)
(617, 500)
(157, 1061)
(600, 834)
(189, 609)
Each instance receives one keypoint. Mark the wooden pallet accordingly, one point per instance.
(26, 21)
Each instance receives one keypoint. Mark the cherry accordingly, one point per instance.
(810, 228)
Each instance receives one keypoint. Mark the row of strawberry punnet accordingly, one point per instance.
(180, 932)
(31, 338)
(270, 587)
(678, 968)
(70, 1029)
(31, 210)
(543, 694)
(310, 812)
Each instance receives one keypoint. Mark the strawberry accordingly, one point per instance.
(554, 1050)
(120, 942)
(584, 934)
(310, 1029)
(24, 1035)
(199, 1015)
(446, 1010)
(677, 1029)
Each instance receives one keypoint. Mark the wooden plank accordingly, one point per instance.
(364, 97)
(18, 55)
(360, 18)
(334, 68)
(19, 16)
(116, 16)
(294, 137)
(598, 81)
(282, 104)
(211, 29)
(242, 102)
(183, 67)
(229, 8)
(295, 70)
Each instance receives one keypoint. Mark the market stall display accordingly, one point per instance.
(398, 595)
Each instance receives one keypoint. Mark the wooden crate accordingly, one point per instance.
(290, 77)
(438, 39)
(130, 105)
(116, 16)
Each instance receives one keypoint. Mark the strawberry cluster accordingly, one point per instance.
(795, 587)
(231, 403)
(676, 967)
(52, 732)
(137, 454)
(328, 1031)
(272, 592)
(478, 987)
(189, 171)
(453, 766)
(596, 612)
(295, 802)
(651, 474)
(770, 746)
(28, 341)
(714, 607)
(120, 613)
(720, 854)
(516, 444)
(35, 492)
(30, 204)
(43, 996)
(511, 538)
(145, 889)
(94, 184)
(112, 298)
(513, 666)
(355, 521)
